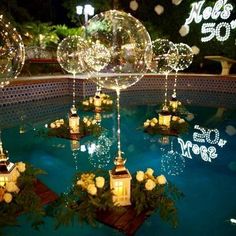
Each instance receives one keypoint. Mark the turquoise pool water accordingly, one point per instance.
(207, 180)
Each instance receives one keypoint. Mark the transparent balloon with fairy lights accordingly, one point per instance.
(129, 46)
(70, 55)
(130, 53)
(165, 57)
(185, 58)
(12, 52)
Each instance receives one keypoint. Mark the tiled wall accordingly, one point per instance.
(38, 99)
(35, 89)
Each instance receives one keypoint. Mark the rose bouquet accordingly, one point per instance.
(18, 196)
(153, 193)
(89, 194)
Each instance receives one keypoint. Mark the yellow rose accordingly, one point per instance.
(152, 124)
(175, 118)
(140, 176)
(62, 121)
(85, 119)
(100, 181)
(181, 121)
(111, 102)
(7, 197)
(179, 103)
(12, 187)
(154, 120)
(92, 189)
(150, 185)
(21, 166)
(149, 171)
(161, 179)
(94, 122)
(52, 125)
(15, 175)
(88, 123)
(2, 192)
(80, 182)
(146, 124)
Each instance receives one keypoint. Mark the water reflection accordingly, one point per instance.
(99, 151)
(172, 162)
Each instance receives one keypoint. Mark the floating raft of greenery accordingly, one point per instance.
(90, 200)
(175, 129)
(86, 128)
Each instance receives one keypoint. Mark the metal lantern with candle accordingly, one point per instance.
(120, 182)
(73, 121)
(174, 102)
(97, 103)
(7, 168)
(165, 117)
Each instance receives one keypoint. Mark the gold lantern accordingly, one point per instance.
(97, 103)
(174, 102)
(120, 183)
(7, 168)
(73, 121)
(165, 117)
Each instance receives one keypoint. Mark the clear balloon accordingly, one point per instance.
(12, 52)
(97, 56)
(165, 56)
(129, 45)
(185, 56)
(70, 54)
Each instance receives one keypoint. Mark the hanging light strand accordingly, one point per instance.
(118, 122)
(175, 83)
(73, 91)
(166, 88)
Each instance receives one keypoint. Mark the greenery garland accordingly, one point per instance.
(19, 196)
(177, 126)
(91, 194)
(154, 194)
(60, 128)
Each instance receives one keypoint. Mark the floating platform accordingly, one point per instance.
(125, 220)
(46, 195)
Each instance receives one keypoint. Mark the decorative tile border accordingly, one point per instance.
(42, 88)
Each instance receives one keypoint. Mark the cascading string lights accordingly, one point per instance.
(118, 122)
(73, 93)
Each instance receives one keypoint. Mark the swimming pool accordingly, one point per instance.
(208, 182)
